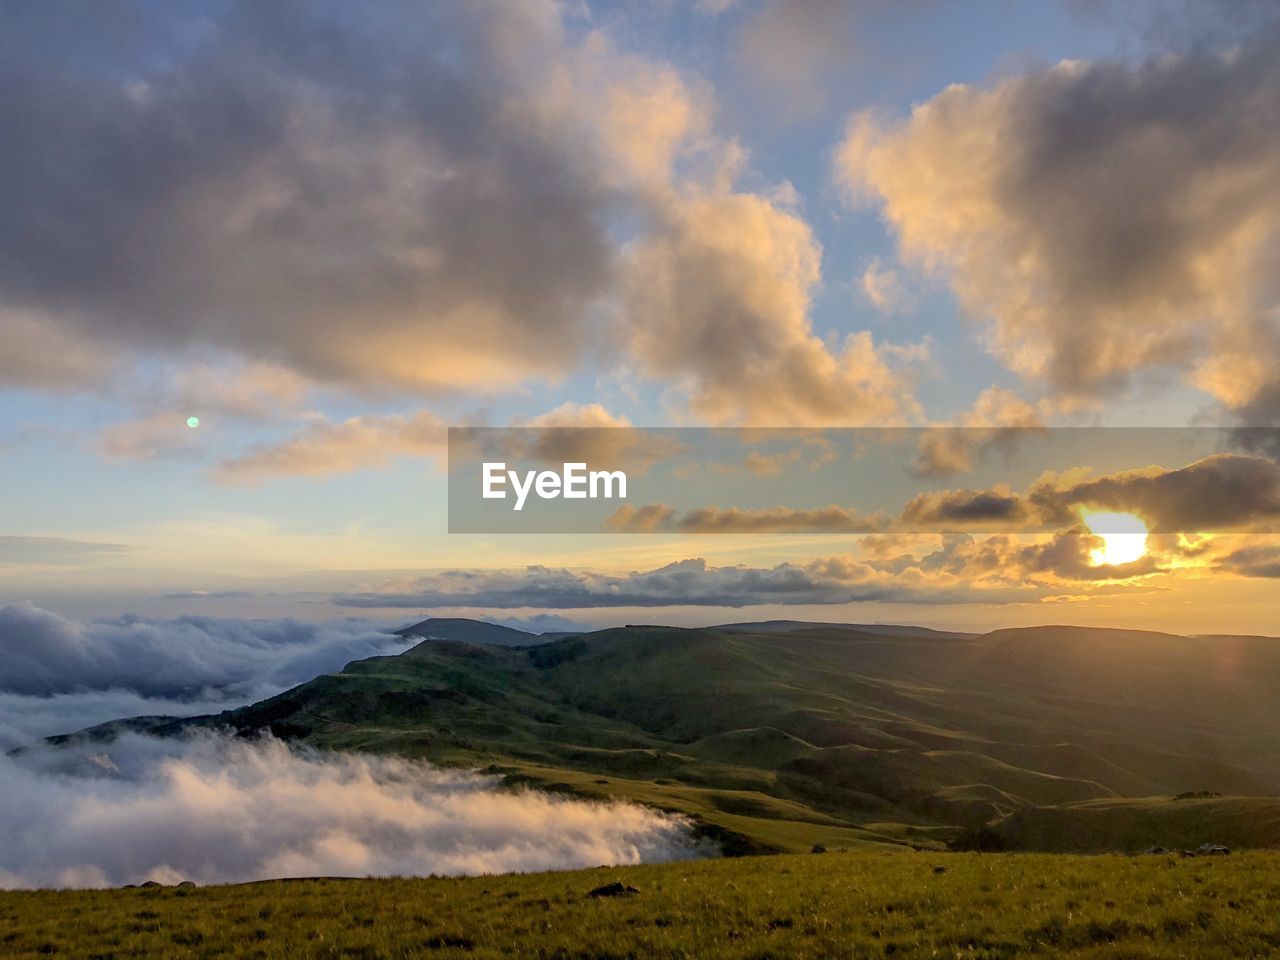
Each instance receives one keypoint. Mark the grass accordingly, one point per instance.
(857, 904)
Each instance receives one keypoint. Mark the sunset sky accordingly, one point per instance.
(332, 230)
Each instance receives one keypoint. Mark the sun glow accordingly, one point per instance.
(1124, 538)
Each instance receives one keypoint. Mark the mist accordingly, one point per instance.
(59, 675)
(213, 809)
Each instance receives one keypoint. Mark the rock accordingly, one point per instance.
(1212, 850)
(151, 884)
(939, 869)
(819, 848)
(615, 889)
(1155, 850)
(187, 885)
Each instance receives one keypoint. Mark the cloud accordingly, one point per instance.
(1112, 221)
(28, 718)
(1256, 560)
(882, 287)
(653, 518)
(958, 508)
(714, 7)
(23, 551)
(685, 582)
(717, 300)
(374, 200)
(1214, 494)
(213, 392)
(588, 433)
(163, 435)
(46, 654)
(41, 354)
(209, 810)
(323, 447)
(92, 672)
(998, 420)
(260, 391)
(795, 53)
(1181, 24)
(471, 214)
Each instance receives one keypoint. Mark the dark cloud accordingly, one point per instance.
(1070, 556)
(1256, 560)
(691, 582)
(365, 194)
(958, 508)
(654, 518)
(1217, 493)
(1182, 24)
(571, 433)
(46, 654)
(997, 423)
(61, 674)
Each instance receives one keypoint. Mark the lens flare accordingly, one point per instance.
(193, 422)
(1124, 538)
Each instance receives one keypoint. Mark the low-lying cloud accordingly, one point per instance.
(61, 675)
(211, 809)
(688, 582)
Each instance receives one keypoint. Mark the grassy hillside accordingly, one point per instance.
(910, 905)
(1136, 823)
(819, 734)
(470, 631)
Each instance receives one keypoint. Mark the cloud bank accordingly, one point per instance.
(61, 675)
(216, 810)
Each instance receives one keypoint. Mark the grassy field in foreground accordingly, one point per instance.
(856, 904)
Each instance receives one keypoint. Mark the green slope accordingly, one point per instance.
(1133, 824)
(814, 733)
(470, 631)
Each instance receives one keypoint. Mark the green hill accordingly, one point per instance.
(1134, 824)
(781, 739)
(912, 905)
(470, 631)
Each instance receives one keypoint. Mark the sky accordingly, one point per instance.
(330, 231)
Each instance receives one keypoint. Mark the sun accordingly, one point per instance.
(1124, 538)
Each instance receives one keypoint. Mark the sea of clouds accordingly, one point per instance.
(216, 810)
(59, 675)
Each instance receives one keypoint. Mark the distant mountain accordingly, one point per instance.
(876, 629)
(471, 631)
(839, 735)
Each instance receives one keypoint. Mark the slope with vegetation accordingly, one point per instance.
(779, 737)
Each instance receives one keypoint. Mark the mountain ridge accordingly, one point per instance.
(816, 734)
